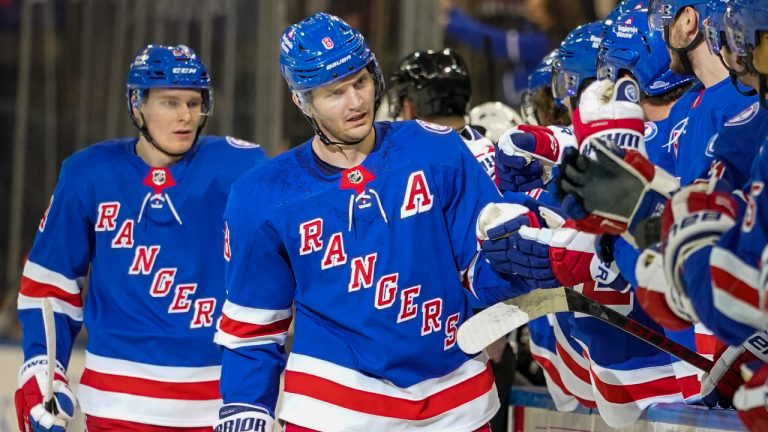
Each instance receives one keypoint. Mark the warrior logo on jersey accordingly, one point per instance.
(745, 116)
(433, 127)
(650, 130)
(327, 42)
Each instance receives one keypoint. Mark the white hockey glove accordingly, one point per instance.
(612, 112)
(237, 417)
(33, 383)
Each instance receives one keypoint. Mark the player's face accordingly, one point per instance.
(172, 117)
(344, 109)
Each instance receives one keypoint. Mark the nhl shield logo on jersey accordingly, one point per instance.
(355, 177)
(433, 127)
(158, 177)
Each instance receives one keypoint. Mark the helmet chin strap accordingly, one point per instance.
(324, 138)
(145, 133)
(682, 53)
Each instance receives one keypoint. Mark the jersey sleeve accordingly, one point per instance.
(257, 312)
(56, 268)
(723, 281)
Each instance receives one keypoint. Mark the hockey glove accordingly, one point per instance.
(612, 112)
(751, 401)
(719, 385)
(612, 193)
(30, 410)
(243, 418)
(525, 158)
(667, 306)
(694, 218)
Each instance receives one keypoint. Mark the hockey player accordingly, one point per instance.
(539, 108)
(716, 101)
(334, 240)
(140, 218)
(434, 86)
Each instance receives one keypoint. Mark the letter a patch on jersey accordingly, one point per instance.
(418, 197)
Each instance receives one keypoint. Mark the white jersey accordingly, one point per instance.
(482, 148)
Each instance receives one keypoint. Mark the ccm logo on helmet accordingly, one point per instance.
(183, 70)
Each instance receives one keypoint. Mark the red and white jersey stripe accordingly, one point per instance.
(159, 395)
(245, 326)
(735, 292)
(324, 396)
(64, 293)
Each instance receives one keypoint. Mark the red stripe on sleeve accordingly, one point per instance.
(32, 288)
(248, 330)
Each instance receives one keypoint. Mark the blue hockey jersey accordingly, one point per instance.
(727, 282)
(149, 239)
(368, 263)
(736, 145)
(694, 125)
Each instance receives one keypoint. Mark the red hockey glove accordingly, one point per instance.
(752, 403)
(667, 306)
(33, 382)
(694, 218)
(611, 111)
(719, 385)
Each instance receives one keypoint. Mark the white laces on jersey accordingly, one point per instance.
(162, 197)
(363, 201)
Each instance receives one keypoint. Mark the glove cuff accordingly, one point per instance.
(39, 364)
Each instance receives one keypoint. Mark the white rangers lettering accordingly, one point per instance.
(108, 212)
(311, 232)
(418, 197)
(385, 291)
(362, 272)
(407, 309)
(451, 328)
(334, 253)
(204, 308)
(124, 237)
(430, 319)
(181, 302)
(162, 282)
(144, 259)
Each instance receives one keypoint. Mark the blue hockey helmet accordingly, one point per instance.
(661, 13)
(631, 46)
(576, 60)
(743, 21)
(158, 66)
(714, 30)
(542, 75)
(322, 49)
(623, 7)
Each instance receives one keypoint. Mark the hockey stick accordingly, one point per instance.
(489, 325)
(50, 348)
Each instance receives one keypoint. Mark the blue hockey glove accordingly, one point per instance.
(525, 157)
